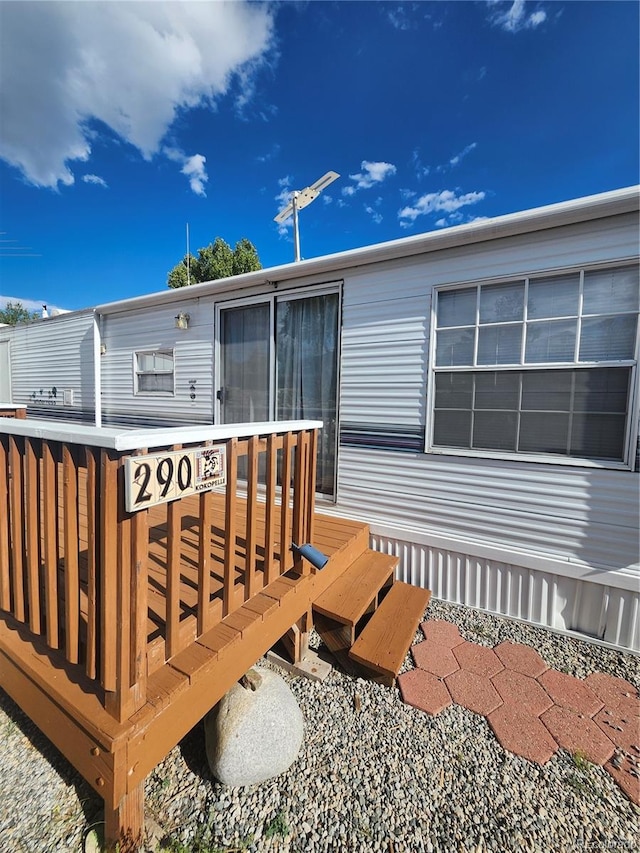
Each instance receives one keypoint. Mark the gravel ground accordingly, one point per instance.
(373, 775)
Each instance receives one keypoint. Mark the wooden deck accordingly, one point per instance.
(120, 630)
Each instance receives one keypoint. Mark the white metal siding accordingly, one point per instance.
(584, 514)
(56, 353)
(5, 372)
(124, 333)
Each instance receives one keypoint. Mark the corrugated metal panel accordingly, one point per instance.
(542, 598)
(49, 357)
(126, 332)
(585, 514)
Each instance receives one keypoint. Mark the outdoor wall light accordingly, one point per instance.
(317, 559)
(182, 320)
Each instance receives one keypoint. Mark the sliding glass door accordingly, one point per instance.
(279, 361)
(245, 334)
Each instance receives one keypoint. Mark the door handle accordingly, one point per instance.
(220, 395)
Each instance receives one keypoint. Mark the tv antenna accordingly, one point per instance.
(300, 199)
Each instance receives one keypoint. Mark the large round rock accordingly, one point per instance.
(255, 731)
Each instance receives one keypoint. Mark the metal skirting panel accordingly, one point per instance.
(591, 611)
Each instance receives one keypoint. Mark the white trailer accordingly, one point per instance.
(478, 386)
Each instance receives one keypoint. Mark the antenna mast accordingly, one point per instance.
(188, 259)
(300, 199)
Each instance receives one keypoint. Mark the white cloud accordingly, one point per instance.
(446, 201)
(514, 18)
(273, 152)
(195, 171)
(192, 166)
(132, 66)
(421, 170)
(95, 179)
(373, 213)
(399, 16)
(283, 198)
(371, 174)
(458, 157)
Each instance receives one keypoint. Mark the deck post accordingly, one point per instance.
(131, 547)
(5, 583)
(124, 822)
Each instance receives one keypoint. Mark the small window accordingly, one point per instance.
(541, 365)
(154, 372)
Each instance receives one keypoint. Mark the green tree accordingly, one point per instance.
(245, 257)
(217, 260)
(15, 312)
(182, 273)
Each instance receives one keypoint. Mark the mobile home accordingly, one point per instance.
(478, 388)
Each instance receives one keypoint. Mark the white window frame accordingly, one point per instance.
(632, 421)
(138, 392)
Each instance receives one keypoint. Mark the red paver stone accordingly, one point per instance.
(473, 691)
(578, 734)
(614, 691)
(424, 691)
(478, 659)
(522, 691)
(441, 632)
(434, 658)
(570, 692)
(522, 733)
(625, 773)
(623, 729)
(522, 658)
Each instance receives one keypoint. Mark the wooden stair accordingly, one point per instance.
(368, 620)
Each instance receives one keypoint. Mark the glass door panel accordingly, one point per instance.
(245, 341)
(307, 372)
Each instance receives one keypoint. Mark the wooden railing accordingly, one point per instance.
(8, 410)
(117, 593)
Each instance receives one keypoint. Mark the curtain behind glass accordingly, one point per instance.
(245, 364)
(307, 371)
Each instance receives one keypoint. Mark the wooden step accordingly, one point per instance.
(384, 643)
(353, 593)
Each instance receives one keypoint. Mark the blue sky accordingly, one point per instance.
(123, 122)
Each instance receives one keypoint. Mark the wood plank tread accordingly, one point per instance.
(384, 643)
(348, 598)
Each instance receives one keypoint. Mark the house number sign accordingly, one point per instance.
(161, 477)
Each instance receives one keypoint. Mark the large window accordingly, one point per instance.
(537, 366)
(154, 372)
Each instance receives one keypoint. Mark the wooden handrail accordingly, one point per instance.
(74, 562)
